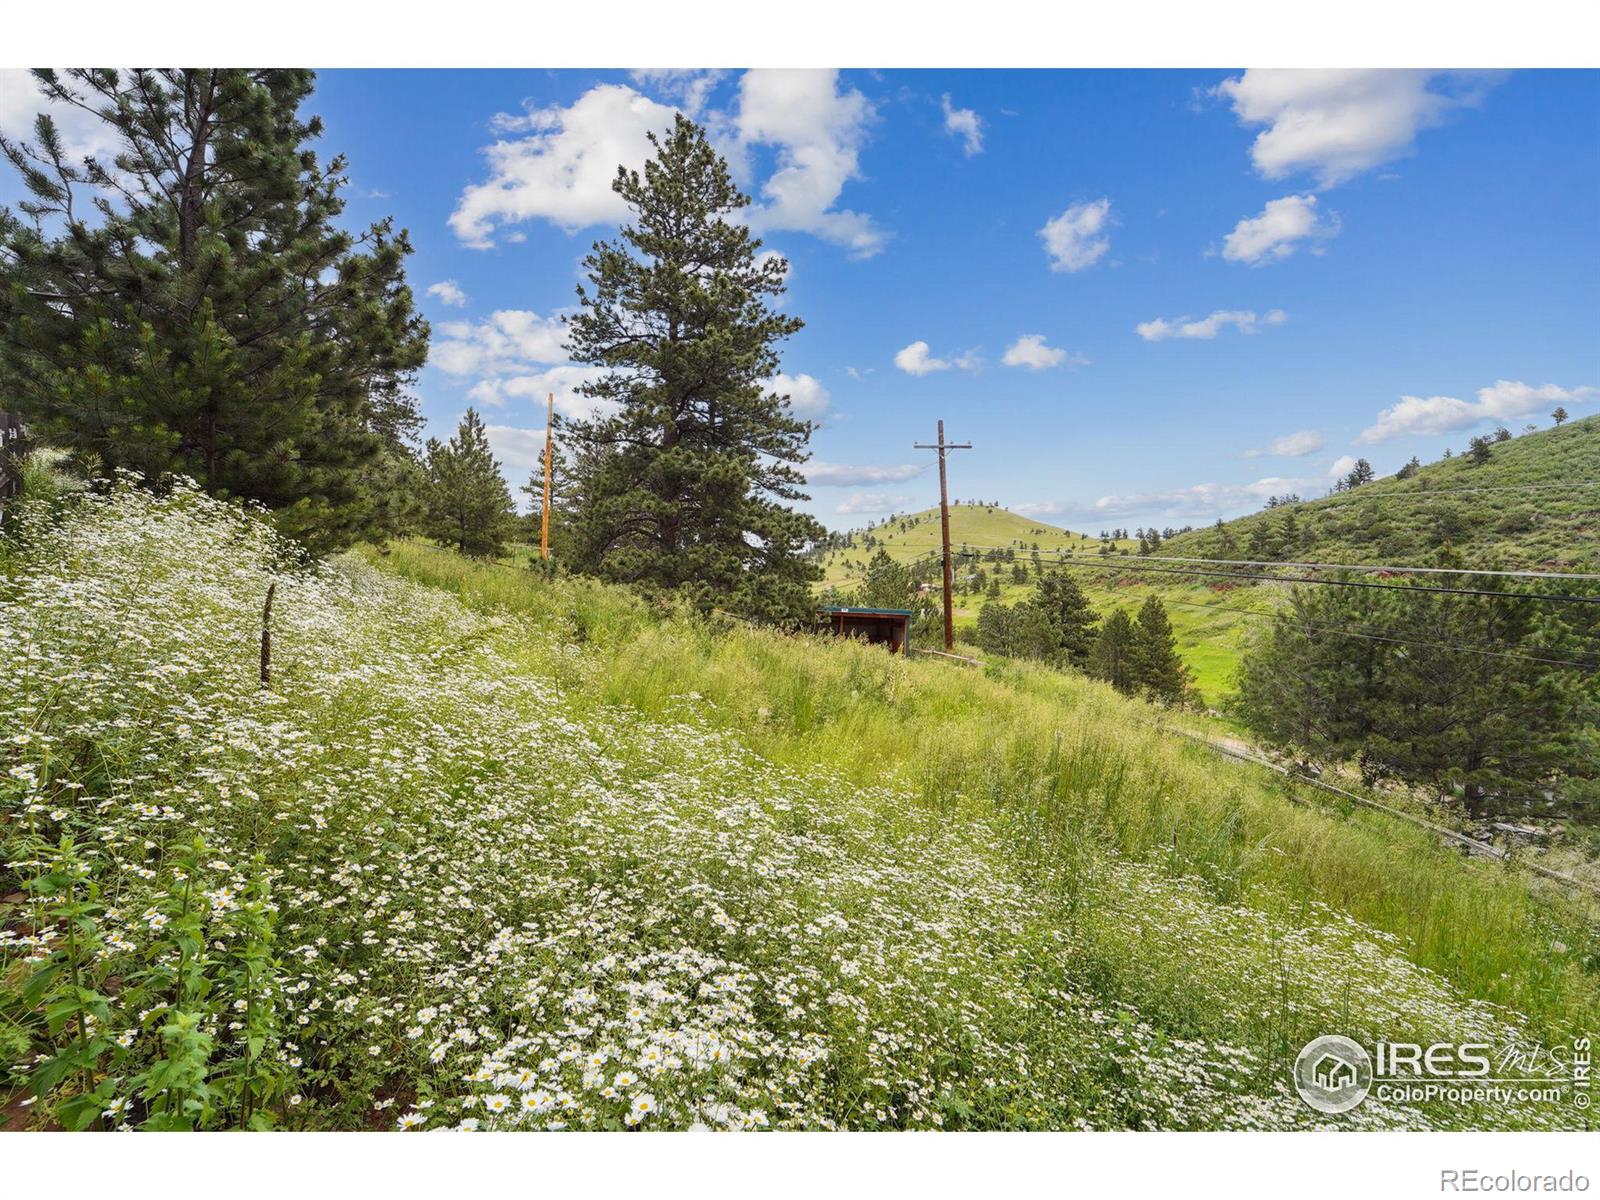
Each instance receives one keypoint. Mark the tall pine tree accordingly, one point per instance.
(194, 307)
(1158, 670)
(468, 503)
(684, 473)
(1115, 657)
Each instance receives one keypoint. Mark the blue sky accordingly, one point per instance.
(1147, 297)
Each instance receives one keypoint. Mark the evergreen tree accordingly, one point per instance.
(1497, 731)
(1359, 474)
(193, 306)
(468, 503)
(1115, 659)
(888, 584)
(1157, 668)
(1065, 607)
(683, 478)
(1480, 449)
(1410, 469)
(1559, 415)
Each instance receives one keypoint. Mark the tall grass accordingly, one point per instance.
(1085, 768)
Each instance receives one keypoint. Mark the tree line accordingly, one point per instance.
(195, 306)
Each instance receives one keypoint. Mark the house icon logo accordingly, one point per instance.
(1333, 1073)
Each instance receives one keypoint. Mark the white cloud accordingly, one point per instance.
(562, 170)
(963, 123)
(519, 450)
(817, 130)
(82, 134)
(821, 474)
(1244, 320)
(561, 381)
(1503, 400)
(1341, 466)
(1290, 445)
(1075, 240)
(808, 399)
(1030, 350)
(690, 86)
(916, 360)
(873, 503)
(1276, 232)
(505, 341)
(449, 292)
(1044, 508)
(557, 163)
(1203, 499)
(1337, 123)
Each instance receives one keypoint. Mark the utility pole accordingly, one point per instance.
(549, 435)
(944, 521)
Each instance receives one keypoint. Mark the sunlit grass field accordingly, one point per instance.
(498, 851)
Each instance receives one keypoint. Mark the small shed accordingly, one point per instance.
(889, 627)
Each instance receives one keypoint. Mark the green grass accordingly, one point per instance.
(503, 851)
(1082, 762)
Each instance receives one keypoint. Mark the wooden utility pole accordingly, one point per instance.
(549, 436)
(944, 522)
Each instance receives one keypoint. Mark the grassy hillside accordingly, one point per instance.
(1535, 504)
(514, 853)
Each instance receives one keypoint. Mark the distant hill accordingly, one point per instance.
(1535, 504)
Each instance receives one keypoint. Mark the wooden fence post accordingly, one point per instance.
(266, 636)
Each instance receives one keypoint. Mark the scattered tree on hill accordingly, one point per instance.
(685, 479)
(1157, 669)
(1115, 657)
(1410, 469)
(192, 306)
(1559, 415)
(468, 503)
(1359, 474)
(1480, 449)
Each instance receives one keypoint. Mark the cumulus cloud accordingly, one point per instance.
(562, 167)
(1202, 499)
(1277, 231)
(501, 343)
(561, 381)
(1041, 508)
(1341, 466)
(821, 474)
(817, 129)
(808, 399)
(1076, 239)
(557, 163)
(873, 503)
(916, 359)
(1502, 400)
(963, 123)
(1335, 124)
(1290, 445)
(1030, 350)
(449, 292)
(1244, 320)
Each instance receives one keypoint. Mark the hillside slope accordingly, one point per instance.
(538, 855)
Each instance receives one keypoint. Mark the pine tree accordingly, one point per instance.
(1157, 669)
(1410, 469)
(193, 306)
(1559, 415)
(1072, 619)
(1114, 658)
(887, 584)
(468, 503)
(683, 482)
(1359, 474)
(1480, 449)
